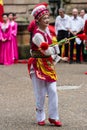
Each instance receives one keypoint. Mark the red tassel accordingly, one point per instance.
(82, 36)
(44, 46)
(30, 61)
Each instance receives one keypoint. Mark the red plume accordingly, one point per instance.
(82, 36)
(44, 46)
(42, 3)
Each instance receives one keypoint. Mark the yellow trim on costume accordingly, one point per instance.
(1, 2)
(44, 70)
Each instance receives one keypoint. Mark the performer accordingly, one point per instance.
(41, 68)
(14, 36)
(5, 43)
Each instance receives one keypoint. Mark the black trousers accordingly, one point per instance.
(82, 49)
(79, 49)
(61, 35)
(78, 52)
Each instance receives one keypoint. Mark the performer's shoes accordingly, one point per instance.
(55, 122)
(41, 123)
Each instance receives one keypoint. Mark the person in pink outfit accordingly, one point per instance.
(5, 41)
(14, 36)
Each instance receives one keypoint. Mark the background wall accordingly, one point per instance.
(23, 7)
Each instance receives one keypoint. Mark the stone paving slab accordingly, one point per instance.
(17, 105)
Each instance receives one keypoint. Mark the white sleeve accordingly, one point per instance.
(56, 26)
(68, 23)
(82, 23)
(56, 58)
(52, 50)
(38, 39)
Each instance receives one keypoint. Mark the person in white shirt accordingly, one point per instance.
(76, 27)
(61, 28)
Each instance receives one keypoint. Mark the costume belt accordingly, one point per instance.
(38, 54)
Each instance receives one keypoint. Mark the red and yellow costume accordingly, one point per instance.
(43, 65)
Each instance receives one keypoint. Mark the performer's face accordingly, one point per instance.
(44, 21)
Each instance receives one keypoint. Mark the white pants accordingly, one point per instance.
(41, 88)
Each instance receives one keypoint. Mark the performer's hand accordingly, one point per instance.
(85, 42)
(75, 33)
(66, 40)
(64, 59)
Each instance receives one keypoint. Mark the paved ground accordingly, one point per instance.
(17, 106)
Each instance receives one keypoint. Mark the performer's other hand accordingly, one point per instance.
(65, 59)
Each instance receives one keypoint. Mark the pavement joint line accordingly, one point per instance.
(69, 87)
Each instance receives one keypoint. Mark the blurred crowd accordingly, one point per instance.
(69, 26)
(8, 39)
(65, 27)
